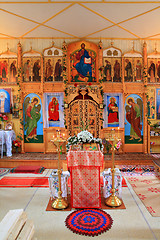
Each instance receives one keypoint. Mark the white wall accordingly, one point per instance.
(40, 44)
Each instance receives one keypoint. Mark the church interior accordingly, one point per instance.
(79, 119)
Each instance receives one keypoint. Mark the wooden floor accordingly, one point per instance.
(50, 160)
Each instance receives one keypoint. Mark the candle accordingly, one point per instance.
(118, 132)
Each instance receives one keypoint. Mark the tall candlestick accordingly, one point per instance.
(60, 202)
(113, 200)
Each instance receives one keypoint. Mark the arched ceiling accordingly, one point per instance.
(76, 20)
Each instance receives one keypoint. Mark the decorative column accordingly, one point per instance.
(100, 55)
(65, 80)
(145, 62)
(100, 75)
(42, 76)
(19, 83)
(145, 138)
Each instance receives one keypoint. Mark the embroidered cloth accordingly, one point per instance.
(6, 137)
(54, 185)
(107, 183)
(85, 178)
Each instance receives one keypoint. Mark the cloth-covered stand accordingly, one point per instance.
(85, 178)
(107, 183)
(54, 186)
(6, 138)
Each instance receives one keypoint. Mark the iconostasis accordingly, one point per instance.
(80, 86)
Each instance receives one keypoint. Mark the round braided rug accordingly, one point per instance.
(89, 222)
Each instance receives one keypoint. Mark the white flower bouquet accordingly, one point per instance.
(83, 137)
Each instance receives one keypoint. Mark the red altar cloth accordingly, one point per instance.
(85, 178)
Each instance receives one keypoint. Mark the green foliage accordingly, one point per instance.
(107, 145)
(155, 125)
(101, 119)
(83, 128)
(66, 92)
(19, 137)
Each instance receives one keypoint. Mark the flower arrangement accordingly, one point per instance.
(83, 137)
(107, 144)
(16, 144)
(117, 145)
(3, 117)
(99, 141)
(71, 141)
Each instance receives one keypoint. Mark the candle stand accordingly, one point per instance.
(113, 200)
(59, 203)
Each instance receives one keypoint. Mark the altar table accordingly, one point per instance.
(6, 137)
(85, 178)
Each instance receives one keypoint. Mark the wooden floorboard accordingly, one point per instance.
(50, 160)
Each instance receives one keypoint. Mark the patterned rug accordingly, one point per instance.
(156, 156)
(128, 170)
(4, 171)
(28, 169)
(89, 222)
(147, 189)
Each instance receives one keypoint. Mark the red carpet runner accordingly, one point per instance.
(34, 182)
(24, 182)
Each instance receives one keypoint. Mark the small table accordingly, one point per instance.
(107, 183)
(6, 137)
(53, 183)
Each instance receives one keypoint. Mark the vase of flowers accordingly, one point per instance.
(3, 119)
(117, 146)
(16, 145)
(83, 137)
(107, 145)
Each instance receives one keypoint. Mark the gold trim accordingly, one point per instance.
(7, 36)
(102, 1)
(81, 4)
(32, 51)
(153, 53)
(8, 52)
(115, 24)
(112, 46)
(14, 14)
(39, 24)
(153, 36)
(79, 39)
(53, 46)
(131, 52)
(42, 24)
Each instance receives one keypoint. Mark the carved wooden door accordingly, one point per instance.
(83, 114)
